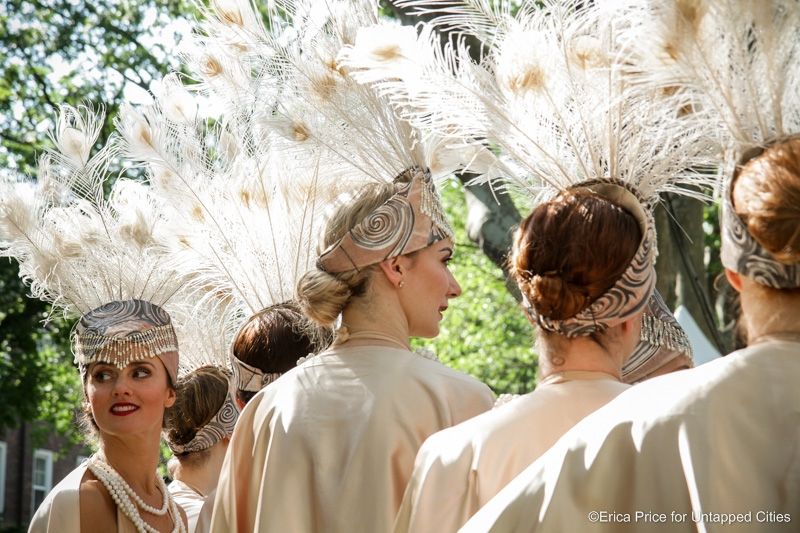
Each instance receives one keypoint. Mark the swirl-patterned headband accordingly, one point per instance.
(124, 331)
(249, 378)
(410, 220)
(739, 250)
(217, 429)
(630, 293)
(662, 341)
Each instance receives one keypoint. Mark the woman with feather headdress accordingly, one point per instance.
(592, 153)
(95, 258)
(713, 448)
(329, 446)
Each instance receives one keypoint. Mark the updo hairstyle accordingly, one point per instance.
(322, 296)
(273, 339)
(572, 249)
(766, 196)
(200, 395)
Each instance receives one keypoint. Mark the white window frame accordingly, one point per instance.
(47, 455)
(3, 455)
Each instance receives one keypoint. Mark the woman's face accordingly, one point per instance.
(129, 401)
(427, 288)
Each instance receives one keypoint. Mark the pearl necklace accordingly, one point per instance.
(122, 493)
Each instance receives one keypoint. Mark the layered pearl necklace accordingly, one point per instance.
(127, 500)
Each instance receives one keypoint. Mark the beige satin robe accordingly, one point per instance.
(460, 468)
(330, 445)
(693, 449)
(203, 524)
(60, 512)
(189, 499)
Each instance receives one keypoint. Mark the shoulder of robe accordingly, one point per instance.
(98, 511)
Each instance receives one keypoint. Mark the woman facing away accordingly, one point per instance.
(716, 441)
(199, 427)
(266, 346)
(269, 344)
(559, 274)
(127, 354)
(330, 446)
(713, 448)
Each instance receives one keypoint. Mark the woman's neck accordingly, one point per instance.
(769, 312)
(135, 458)
(202, 477)
(375, 325)
(578, 354)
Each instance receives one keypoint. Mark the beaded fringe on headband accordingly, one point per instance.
(656, 331)
(661, 341)
(123, 331)
(121, 351)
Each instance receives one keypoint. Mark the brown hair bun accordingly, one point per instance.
(569, 251)
(766, 196)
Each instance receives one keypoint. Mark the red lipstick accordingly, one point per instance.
(123, 409)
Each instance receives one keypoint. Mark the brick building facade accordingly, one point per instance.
(29, 467)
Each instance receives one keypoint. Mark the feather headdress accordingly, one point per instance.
(89, 255)
(104, 260)
(552, 96)
(247, 185)
(296, 124)
(738, 64)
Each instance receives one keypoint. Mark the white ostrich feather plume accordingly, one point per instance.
(304, 94)
(244, 191)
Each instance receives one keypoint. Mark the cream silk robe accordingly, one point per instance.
(687, 447)
(461, 468)
(189, 499)
(203, 524)
(60, 512)
(330, 446)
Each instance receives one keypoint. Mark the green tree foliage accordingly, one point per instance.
(55, 52)
(484, 332)
(68, 51)
(38, 381)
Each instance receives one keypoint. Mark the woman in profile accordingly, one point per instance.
(330, 446)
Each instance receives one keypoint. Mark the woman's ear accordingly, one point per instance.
(171, 397)
(626, 325)
(394, 269)
(735, 279)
